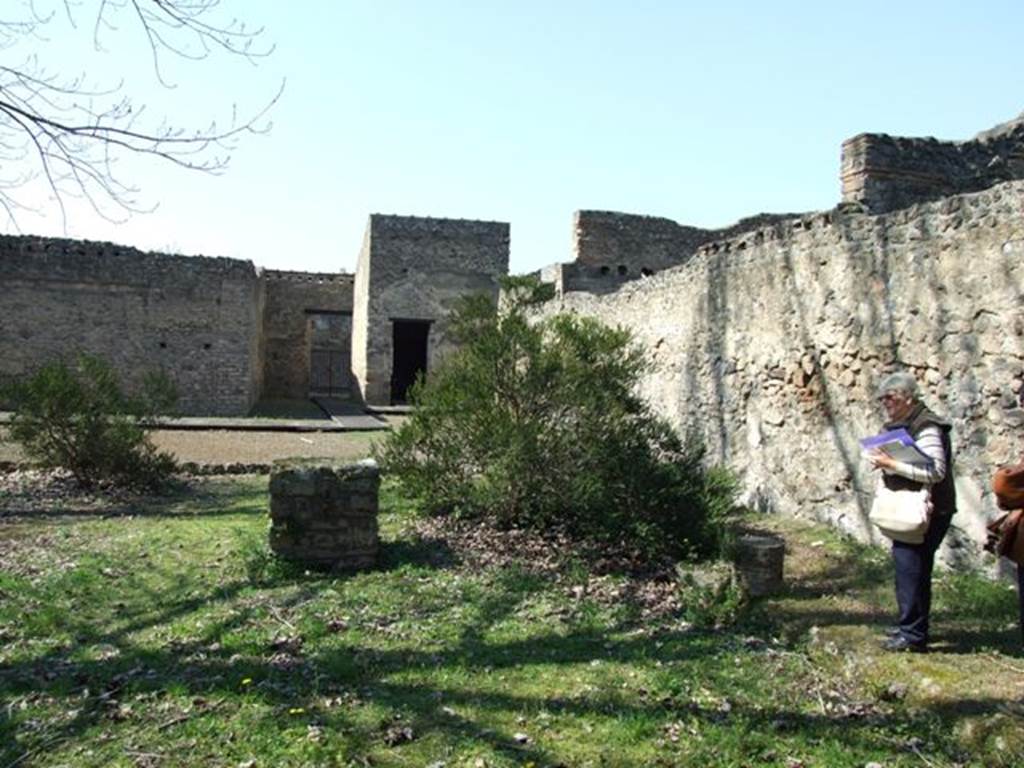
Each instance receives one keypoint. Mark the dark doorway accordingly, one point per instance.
(409, 342)
(328, 372)
(330, 345)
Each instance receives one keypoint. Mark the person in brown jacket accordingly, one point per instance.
(1008, 531)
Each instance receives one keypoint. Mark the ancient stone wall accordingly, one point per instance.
(611, 248)
(415, 268)
(770, 345)
(196, 318)
(885, 173)
(306, 314)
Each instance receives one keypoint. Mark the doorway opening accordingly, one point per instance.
(409, 342)
(329, 336)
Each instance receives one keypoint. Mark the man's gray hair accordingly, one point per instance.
(899, 382)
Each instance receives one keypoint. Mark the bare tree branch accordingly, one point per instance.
(72, 134)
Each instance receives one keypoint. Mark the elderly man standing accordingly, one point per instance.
(914, 562)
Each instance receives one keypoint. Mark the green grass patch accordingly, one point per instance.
(172, 637)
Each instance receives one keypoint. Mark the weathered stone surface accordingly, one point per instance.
(757, 310)
(612, 248)
(305, 314)
(884, 173)
(759, 562)
(195, 318)
(414, 268)
(324, 513)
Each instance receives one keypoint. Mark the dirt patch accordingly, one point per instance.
(223, 447)
(230, 447)
(611, 576)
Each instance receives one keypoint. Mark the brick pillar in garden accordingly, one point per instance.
(324, 513)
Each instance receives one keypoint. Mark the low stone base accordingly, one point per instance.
(324, 513)
(759, 563)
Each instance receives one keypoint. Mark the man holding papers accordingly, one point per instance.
(914, 452)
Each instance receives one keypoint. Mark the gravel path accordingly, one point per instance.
(226, 447)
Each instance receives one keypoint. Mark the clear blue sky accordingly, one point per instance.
(524, 112)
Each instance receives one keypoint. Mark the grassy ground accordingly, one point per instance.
(170, 637)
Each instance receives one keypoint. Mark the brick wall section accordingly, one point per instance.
(771, 343)
(195, 318)
(885, 173)
(291, 297)
(611, 248)
(325, 513)
(416, 268)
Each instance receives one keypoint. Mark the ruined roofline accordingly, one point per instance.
(634, 245)
(997, 132)
(42, 246)
(299, 276)
(387, 223)
(886, 173)
(597, 213)
(740, 225)
(777, 228)
(400, 217)
(822, 219)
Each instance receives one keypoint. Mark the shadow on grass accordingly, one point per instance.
(349, 664)
(420, 552)
(855, 587)
(179, 500)
(293, 681)
(297, 678)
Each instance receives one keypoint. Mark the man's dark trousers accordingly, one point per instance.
(914, 564)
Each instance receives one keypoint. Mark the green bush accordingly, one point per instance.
(710, 594)
(78, 418)
(538, 425)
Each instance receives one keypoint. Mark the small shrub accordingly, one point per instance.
(264, 567)
(710, 594)
(78, 418)
(538, 425)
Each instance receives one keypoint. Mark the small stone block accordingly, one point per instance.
(324, 513)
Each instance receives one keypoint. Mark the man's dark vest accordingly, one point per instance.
(943, 492)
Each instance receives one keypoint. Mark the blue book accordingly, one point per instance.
(898, 444)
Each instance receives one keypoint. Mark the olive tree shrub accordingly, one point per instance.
(79, 418)
(538, 425)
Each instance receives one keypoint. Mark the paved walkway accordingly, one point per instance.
(349, 414)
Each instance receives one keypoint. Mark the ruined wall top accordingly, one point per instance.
(98, 262)
(283, 275)
(613, 248)
(610, 238)
(884, 173)
(401, 246)
(389, 225)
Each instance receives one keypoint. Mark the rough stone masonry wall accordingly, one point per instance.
(885, 173)
(416, 269)
(612, 248)
(195, 318)
(291, 299)
(324, 513)
(770, 345)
